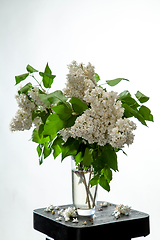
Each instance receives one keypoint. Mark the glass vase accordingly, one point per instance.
(84, 196)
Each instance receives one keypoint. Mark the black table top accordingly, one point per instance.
(102, 225)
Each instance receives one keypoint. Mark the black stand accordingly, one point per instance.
(102, 226)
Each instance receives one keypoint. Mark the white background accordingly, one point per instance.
(121, 39)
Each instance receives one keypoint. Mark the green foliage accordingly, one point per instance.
(30, 69)
(43, 152)
(70, 122)
(103, 160)
(126, 97)
(88, 158)
(53, 125)
(70, 147)
(107, 173)
(64, 111)
(40, 113)
(133, 108)
(95, 180)
(53, 98)
(61, 113)
(101, 180)
(79, 158)
(26, 88)
(141, 97)
(109, 157)
(146, 113)
(115, 81)
(104, 183)
(57, 146)
(47, 77)
(21, 77)
(131, 112)
(39, 138)
(97, 77)
(78, 106)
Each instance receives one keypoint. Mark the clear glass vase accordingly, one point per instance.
(84, 196)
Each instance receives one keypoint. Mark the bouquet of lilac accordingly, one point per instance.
(83, 120)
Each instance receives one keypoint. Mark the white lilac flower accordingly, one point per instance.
(68, 213)
(102, 123)
(65, 132)
(60, 212)
(104, 204)
(79, 79)
(51, 207)
(117, 214)
(56, 208)
(37, 122)
(34, 94)
(59, 219)
(24, 102)
(47, 209)
(23, 117)
(22, 121)
(121, 210)
(122, 133)
(75, 220)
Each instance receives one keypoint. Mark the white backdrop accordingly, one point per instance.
(121, 39)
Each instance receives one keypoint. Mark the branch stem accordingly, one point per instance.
(87, 190)
(37, 82)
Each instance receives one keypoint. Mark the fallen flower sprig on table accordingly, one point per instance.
(121, 210)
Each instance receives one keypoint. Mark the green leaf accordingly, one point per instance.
(107, 173)
(30, 69)
(70, 147)
(44, 98)
(104, 183)
(46, 150)
(39, 151)
(141, 97)
(107, 158)
(110, 157)
(53, 98)
(134, 113)
(40, 113)
(47, 77)
(79, 158)
(88, 158)
(64, 111)
(35, 114)
(78, 106)
(57, 146)
(21, 77)
(97, 77)
(37, 139)
(115, 81)
(57, 97)
(53, 125)
(94, 180)
(124, 95)
(25, 89)
(71, 121)
(130, 101)
(146, 113)
(43, 152)
(40, 130)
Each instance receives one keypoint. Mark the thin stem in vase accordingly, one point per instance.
(95, 195)
(87, 192)
(89, 189)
